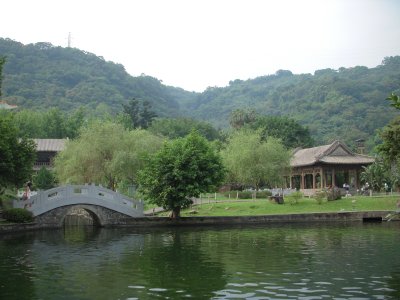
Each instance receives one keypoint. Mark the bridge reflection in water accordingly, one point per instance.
(80, 217)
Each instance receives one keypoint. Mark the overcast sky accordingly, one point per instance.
(194, 44)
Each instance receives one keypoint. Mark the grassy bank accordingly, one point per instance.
(304, 205)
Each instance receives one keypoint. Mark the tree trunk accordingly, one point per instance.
(176, 212)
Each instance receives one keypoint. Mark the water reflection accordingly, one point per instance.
(175, 266)
(15, 267)
(275, 262)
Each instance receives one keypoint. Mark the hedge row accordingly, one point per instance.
(248, 194)
(18, 215)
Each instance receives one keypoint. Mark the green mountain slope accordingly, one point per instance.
(41, 76)
(347, 104)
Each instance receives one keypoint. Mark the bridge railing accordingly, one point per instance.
(80, 194)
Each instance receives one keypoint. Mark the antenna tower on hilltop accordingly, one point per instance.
(69, 39)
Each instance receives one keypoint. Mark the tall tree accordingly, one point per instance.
(251, 161)
(390, 147)
(375, 175)
(132, 111)
(138, 113)
(74, 122)
(44, 179)
(2, 62)
(240, 117)
(289, 131)
(395, 99)
(147, 115)
(16, 156)
(182, 169)
(55, 124)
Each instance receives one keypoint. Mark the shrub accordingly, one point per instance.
(320, 196)
(333, 194)
(18, 215)
(245, 195)
(6, 199)
(263, 194)
(294, 197)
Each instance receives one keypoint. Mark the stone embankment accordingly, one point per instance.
(145, 222)
(255, 220)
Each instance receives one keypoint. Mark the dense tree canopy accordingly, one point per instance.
(50, 123)
(254, 162)
(183, 168)
(16, 156)
(289, 131)
(181, 127)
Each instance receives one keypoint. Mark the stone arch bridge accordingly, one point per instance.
(105, 206)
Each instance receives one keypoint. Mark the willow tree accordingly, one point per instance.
(105, 153)
(254, 162)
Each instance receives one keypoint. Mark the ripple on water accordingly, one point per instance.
(233, 294)
(323, 283)
(385, 289)
(304, 290)
(242, 284)
(157, 290)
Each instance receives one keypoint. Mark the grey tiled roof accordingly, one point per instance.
(53, 145)
(335, 153)
(356, 159)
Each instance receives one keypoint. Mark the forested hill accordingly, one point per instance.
(40, 76)
(345, 104)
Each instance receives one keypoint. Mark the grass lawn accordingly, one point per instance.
(304, 205)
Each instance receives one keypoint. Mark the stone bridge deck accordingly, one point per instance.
(87, 195)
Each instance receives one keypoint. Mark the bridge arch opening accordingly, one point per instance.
(81, 216)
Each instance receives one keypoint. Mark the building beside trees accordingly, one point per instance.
(46, 150)
(326, 166)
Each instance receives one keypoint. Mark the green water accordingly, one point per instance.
(356, 261)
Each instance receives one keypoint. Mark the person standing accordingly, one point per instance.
(27, 193)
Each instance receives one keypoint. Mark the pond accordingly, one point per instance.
(313, 261)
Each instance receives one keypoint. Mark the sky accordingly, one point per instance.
(195, 44)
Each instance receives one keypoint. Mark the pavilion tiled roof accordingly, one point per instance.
(335, 153)
(50, 145)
